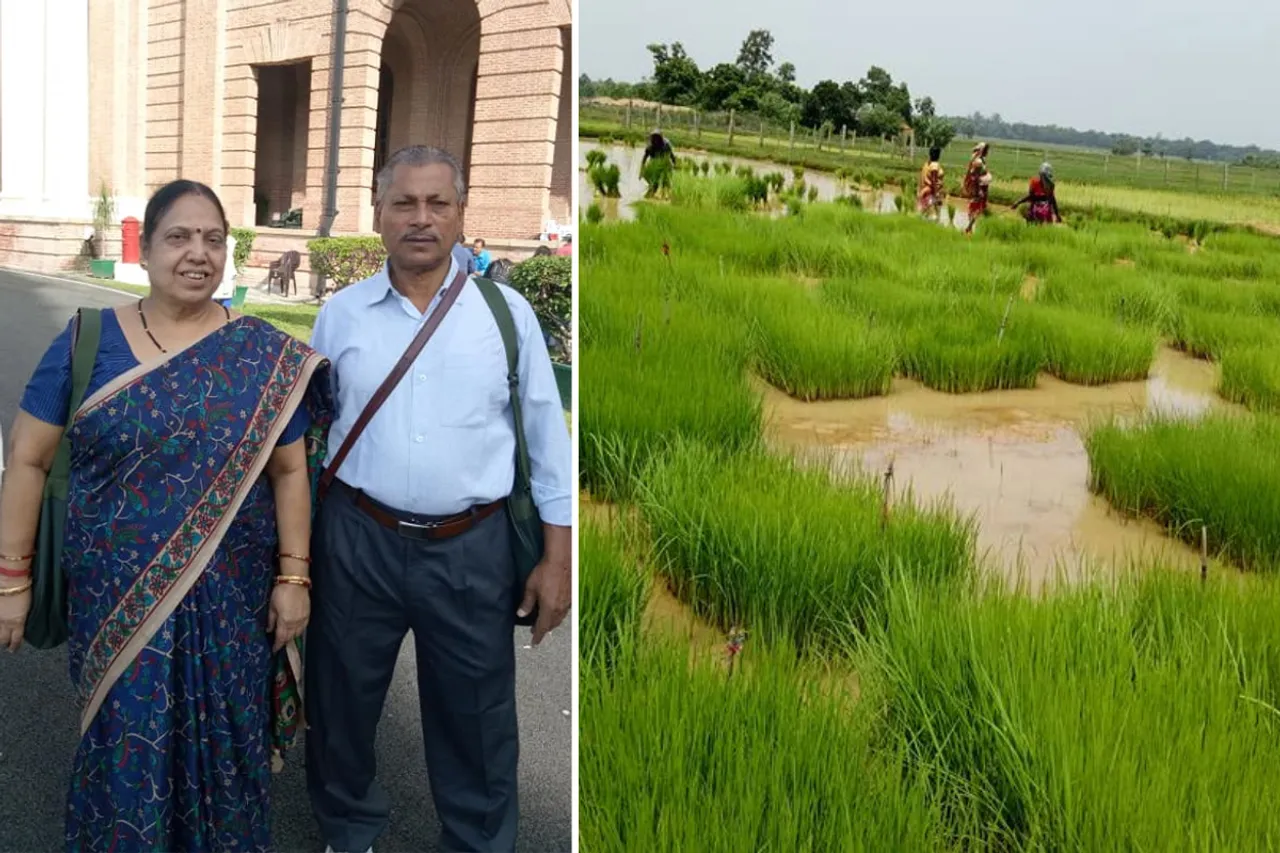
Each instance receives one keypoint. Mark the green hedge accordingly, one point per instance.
(347, 260)
(547, 282)
(244, 245)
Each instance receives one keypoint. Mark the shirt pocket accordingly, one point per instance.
(473, 389)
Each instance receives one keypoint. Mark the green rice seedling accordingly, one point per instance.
(705, 167)
(1221, 473)
(1139, 716)
(813, 194)
(1209, 335)
(1086, 350)
(594, 214)
(814, 353)
(973, 345)
(681, 757)
(684, 378)
(1251, 377)
(657, 176)
(614, 593)
(724, 168)
(606, 180)
(795, 555)
(596, 157)
(730, 193)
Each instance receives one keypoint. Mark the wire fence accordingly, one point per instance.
(751, 135)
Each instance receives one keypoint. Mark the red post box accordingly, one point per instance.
(131, 252)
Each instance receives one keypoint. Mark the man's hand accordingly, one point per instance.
(550, 585)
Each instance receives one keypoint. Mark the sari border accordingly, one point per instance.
(194, 570)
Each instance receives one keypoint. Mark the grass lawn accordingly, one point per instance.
(296, 320)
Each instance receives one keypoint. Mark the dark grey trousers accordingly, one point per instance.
(457, 595)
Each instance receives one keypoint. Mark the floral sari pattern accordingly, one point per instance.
(170, 556)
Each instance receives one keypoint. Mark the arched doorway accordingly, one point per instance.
(430, 59)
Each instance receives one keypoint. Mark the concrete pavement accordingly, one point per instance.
(38, 715)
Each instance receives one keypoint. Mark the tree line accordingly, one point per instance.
(874, 106)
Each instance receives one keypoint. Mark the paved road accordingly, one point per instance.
(38, 713)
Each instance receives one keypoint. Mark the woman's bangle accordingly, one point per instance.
(306, 560)
(14, 573)
(295, 579)
(5, 558)
(15, 590)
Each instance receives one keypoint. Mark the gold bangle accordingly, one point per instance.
(16, 590)
(306, 560)
(295, 579)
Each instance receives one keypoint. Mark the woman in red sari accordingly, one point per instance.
(186, 548)
(977, 184)
(1042, 197)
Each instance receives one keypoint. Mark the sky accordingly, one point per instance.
(1208, 69)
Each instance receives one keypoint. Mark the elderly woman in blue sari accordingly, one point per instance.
(187, 545)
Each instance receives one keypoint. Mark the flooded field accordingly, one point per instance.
(632, 187)
(1015, 459)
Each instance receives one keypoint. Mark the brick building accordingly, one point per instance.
(236, 93)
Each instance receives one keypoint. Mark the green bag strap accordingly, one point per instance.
(507, 328)
(87, 333)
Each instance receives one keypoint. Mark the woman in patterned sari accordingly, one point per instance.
(1043, 198)
(187, 545)
(977, 184)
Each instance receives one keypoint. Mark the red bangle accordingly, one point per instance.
(14, 573)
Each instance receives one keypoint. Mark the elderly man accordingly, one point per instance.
(414, 532)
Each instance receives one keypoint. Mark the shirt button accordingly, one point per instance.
(419, 439)
(422, 377)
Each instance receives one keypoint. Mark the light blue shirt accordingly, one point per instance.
(444, 440)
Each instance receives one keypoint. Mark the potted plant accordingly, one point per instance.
(104, 213)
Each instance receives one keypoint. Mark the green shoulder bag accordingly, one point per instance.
(46, 626)
(526, 525)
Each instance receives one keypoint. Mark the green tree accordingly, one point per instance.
(720, 84)
(755, 57)
(787, 72)
(675, 76)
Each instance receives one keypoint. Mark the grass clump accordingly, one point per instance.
(614, 593)
(794, 555)
(679, 757)
(1222, 472)
(1140, 717)
(1251, 377)
(1087, 350)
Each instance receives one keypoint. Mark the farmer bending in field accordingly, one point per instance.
(977, 184)
(931, 195)
(658, 147)
(1044, 201)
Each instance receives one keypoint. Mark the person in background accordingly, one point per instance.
(658, 147)
(414, 534)
(977, 184)
(481, 255)
(186, 548)
(931, 194)
(566, 245)
(1042, 197)
(466, 260)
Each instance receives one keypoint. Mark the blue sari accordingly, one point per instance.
(170, 556)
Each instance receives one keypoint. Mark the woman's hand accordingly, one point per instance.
(13, 618)
(290, 611)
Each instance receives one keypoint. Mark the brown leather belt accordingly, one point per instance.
(445, 527)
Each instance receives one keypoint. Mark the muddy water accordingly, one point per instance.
(1014, 459)
(632, 187)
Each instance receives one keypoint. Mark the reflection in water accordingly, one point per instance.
(632, 187)
(1014, 459)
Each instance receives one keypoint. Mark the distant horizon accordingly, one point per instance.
(1266, 149)
(1182, 69)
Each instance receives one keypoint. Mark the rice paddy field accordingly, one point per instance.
(895, 539)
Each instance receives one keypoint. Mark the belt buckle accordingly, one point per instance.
(410, 530)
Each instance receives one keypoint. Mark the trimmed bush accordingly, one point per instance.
(547, 282)
(347, 260)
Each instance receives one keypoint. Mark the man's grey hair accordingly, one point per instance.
(421, 155)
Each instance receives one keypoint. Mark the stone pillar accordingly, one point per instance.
(359, 133)
(22, 124)
(563, 173)
(66, 107)
(117, 96)
(513, 143)
(203, 91)
(239, 146)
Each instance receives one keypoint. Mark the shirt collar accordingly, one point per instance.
(382, 282)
